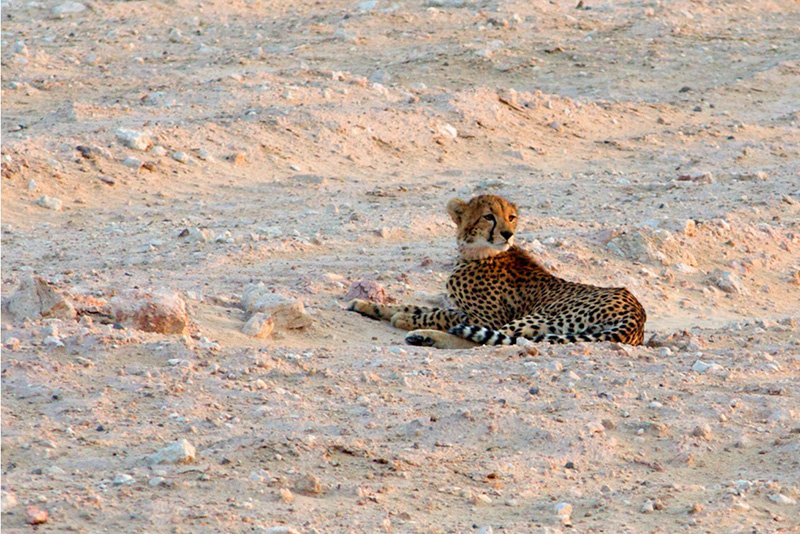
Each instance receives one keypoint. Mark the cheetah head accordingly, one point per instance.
(486, 225)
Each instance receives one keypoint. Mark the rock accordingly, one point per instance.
(703, 431)
(727, 282)
(123, 479)
(180, 452)
(780, 498)
(53, 341)
(134, 139)
(309, 179)
(367, 290)
(680, 340)
(309, 485)
(158, 151)
(286, 495)
(51, 203)
(758, 176)
(35, 298)
(180, 157)
(702, 367)
(175, 36)
(648, 507)
(260, 325)
(445, 3)
(12, 344)
(68, 8)
(448, 130)
(238, 158)
(205, 155)
(564, 512)
(133, 163)
(197, 235)
(161, 311)
(286, 313)
(651, 245)
(20, 48)
(278, 530)
(32, 185)
(156, 482)
(8, 500)
(35, 515)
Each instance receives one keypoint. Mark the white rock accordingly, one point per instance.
(158, 150)
(32, 186)
(123, 480)
(133, 163)
(51, 203)
(134, 139)
(648, 507)
(180, 452)
(181, 157)
(175, 35)
(702, 367)
(53, 341)
(156, 481)
(448, 130)
(35, 298)
(20, 48)
(205, 155)
(563, 509)
(727, 282)
(200, 235)
(278, 530)
(8, 500)
(260, 325)
(286, 313)
(780, 498)
(68, 8)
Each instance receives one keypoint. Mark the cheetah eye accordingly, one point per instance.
(489, 217)
(512, 217)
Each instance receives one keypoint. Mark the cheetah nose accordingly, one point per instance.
(506, 234)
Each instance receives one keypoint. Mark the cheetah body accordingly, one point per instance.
(501, 294)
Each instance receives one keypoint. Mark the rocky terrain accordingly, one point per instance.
(192, 191)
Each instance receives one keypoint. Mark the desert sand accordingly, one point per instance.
(170, 168)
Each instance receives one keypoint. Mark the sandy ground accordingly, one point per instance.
(311, 145)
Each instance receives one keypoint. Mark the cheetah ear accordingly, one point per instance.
(456, 209)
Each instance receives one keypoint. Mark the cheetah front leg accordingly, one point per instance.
(409, 317)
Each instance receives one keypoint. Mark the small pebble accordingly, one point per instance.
(133, 163)
(286, 495)
(51, 203)
(780, 498)
(181, 157)
(309, 485)
(134, 139)
(123, 480)
(703, 431)
(68, 8)
(35, 515)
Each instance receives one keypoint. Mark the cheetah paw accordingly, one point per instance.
(420, 340)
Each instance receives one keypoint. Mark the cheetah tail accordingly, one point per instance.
(484, 336)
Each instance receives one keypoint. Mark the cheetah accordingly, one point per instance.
(501, 294)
